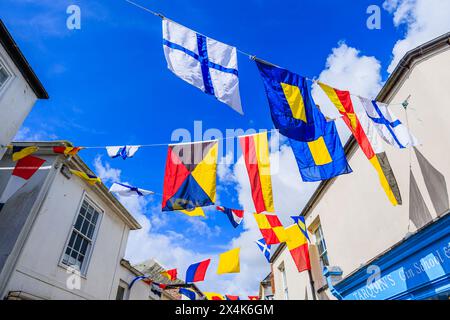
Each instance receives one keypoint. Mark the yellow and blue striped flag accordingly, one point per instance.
(323, 158)
(293, 110)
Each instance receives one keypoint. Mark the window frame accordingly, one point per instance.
(284, 282)
(87, 258)
(126, 292)
(11, 74)
(317, 228)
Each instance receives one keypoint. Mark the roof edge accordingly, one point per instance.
(77, 163)
(21, 62)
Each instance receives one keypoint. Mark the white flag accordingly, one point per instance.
(388, 125)
(122, 151)
(126, 190)
(205, 63)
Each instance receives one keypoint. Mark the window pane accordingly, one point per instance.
(320, 247)
(120, 293)
(66, 257)
(85, 227)
(89, 212)
(3, 76)
(324, 259)
(79, 222)
(91, 231)
(84, 246)
(83, 209)
(73, 254)
(72, 239)
(77, 244)
(95, 217)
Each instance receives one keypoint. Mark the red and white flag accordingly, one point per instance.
(24, 170)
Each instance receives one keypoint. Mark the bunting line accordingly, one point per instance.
(250, 56)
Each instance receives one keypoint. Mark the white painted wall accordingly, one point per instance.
(139, 291)
(16, 101)
(297, 283)
(357, 219)
(38, 270)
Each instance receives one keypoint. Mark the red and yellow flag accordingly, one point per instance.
(342, 101)
(170, 274)
(255, 149)
(213, 296)
(271, 228)
(68, 151)
(22, 152)
(298, 247)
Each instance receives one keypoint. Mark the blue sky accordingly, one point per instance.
(109, 84)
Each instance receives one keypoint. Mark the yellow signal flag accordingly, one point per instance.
(196, 212)
(89, 178)
(22, 152)
(229, 262)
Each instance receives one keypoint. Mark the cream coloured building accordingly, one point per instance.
(375, 250)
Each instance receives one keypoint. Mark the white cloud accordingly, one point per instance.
(347, 69)
(224, 171)
(26, 134)
(424, 20)
(105, 172)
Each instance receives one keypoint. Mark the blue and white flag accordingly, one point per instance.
(264, 247)
(189, 293)
(205, 63)
(126, 190)
(388, 126)
(122, 151)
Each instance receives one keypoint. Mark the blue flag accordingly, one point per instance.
(264, 247)
(323, 158)
(293, 110)
(187, 293)
(300, 220)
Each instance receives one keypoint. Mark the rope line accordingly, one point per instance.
(250, 56)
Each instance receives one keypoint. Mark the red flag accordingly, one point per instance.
(25, 168)
(69, 151)
(170, 274)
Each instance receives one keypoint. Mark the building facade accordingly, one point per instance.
(19, 88)
(61, 237)
(371, 249)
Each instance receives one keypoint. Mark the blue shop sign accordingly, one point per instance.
(417, 268)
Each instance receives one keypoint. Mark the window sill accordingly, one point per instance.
(66, 267)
